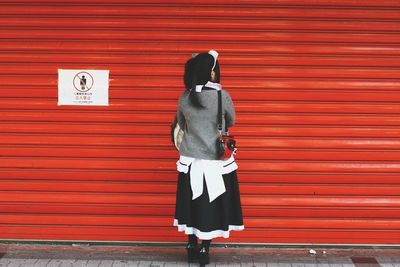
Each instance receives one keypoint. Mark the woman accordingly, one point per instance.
(207, 198)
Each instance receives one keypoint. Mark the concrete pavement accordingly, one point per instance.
(167, 255)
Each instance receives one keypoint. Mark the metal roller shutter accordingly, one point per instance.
(316, 88)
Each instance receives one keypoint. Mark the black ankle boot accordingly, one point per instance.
(203, 257)
(192, 252)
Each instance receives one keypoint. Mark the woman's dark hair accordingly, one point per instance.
(188, 75)
(198, 72)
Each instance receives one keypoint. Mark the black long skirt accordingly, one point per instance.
(204, 219)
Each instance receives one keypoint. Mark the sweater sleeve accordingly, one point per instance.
(230, 115)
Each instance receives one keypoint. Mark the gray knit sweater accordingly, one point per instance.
(200, 124)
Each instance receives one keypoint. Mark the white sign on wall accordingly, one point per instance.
(83, 87)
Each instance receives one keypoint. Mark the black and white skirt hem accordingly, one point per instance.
(207, 235)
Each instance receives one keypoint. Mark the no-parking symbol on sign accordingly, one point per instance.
(83, 87)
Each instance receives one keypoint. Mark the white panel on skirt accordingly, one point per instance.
(211, 170)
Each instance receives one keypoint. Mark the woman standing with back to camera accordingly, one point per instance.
(207, 197)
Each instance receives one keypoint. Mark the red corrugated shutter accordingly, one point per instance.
(316, 87)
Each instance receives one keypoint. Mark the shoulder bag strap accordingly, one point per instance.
(220, 114)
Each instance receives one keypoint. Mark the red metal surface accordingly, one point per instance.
(316, 88)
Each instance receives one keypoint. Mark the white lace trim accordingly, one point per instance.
(215, 86)
(207, 235)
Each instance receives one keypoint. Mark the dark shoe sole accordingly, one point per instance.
(192, 254)
(204, 258)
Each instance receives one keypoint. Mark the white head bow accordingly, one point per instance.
(215, 56)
